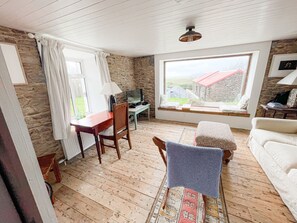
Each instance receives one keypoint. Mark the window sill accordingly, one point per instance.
(207, 110)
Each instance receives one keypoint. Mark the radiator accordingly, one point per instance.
(71, 146)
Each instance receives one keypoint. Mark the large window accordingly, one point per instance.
(79, 99)
(207, 81)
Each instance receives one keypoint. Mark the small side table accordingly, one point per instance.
(48, 163)
(285, 111)
(138, 110)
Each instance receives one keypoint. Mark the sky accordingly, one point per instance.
(195, 68)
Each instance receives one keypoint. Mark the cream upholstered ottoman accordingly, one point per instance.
(218, 135)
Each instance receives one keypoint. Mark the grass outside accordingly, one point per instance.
(80, 106)
(181, 101)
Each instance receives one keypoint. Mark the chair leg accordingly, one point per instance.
(129, 140)
(57, 171)
(116, 142)
(165, 200)
(102, 145)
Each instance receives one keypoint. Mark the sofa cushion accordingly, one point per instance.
(263, 136)
(232, 108)
(284, 155)
(293, 175)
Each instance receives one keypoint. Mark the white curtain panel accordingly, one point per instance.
(103, 66)
(58, 87)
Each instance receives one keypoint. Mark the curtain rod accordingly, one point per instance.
(66, 42)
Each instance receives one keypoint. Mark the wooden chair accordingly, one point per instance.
(119, 129)
(162, 149)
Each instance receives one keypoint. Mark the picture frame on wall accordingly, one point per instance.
(282, 65)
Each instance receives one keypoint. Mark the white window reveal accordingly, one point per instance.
(207, 82)
(13, 63)
(79, 97)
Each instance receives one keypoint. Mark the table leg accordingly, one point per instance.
(80, 144)
(148, 113)
(97, 147)
(285, 115)
(273, 114)
(135, 120)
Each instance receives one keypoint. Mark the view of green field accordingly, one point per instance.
(81, 108)
(181, 82)
(181, 101)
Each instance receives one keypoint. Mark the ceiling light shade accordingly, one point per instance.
(290, 79)
(111, 88)
(190, 35)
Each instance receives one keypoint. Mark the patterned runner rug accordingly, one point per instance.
(185, 205)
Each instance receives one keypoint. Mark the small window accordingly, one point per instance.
(79, 100)
(207, 82)
(74, 68)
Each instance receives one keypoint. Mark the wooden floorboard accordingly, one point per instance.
(124, 190)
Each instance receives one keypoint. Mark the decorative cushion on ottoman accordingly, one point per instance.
(218, 135)
(292, 99)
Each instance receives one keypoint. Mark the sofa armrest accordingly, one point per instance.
(277, 125)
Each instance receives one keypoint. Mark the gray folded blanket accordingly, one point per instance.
(197, 168)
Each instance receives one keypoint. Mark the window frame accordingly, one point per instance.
(244, 84)
(78, 76)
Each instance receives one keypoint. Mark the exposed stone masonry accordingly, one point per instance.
(269, 87)
(217, 91)
(132, 73)
(33, 96)
(121, 70)
(145, 79)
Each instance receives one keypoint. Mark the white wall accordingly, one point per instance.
(13, 63)
(260, 53)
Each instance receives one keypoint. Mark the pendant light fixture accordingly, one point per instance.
(190, 35)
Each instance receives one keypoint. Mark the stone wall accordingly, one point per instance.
(269, 87)
(121, 70)
(145, 79)
(33, 96)
(132, 73)
(227, 90)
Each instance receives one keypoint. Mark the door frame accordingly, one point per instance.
(18, 130)
(14, 178)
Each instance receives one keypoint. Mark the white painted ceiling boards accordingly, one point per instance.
(139, 27)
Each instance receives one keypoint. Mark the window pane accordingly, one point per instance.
(79, 97)
(73, 67)
(206, 82)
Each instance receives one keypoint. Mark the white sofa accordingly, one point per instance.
(274, 144)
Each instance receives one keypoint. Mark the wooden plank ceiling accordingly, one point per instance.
(145, 27)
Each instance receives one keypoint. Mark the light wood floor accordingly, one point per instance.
(124, 190)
